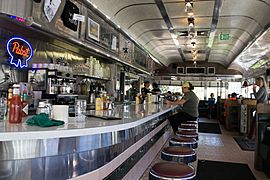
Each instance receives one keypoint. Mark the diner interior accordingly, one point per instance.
(90, 59)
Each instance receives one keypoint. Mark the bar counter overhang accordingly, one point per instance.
(80, 148)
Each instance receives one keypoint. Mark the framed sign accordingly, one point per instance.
(93, 29)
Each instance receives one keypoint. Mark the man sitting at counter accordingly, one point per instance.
(189, 103)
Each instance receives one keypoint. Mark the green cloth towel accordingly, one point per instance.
(43, 121)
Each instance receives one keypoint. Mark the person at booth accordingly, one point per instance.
(262, 97)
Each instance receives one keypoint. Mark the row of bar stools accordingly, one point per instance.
(188, 129)
(181, 151)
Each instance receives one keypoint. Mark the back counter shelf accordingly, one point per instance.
(78, 147)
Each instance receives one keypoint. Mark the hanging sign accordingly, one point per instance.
(50, 8)
(20, 52)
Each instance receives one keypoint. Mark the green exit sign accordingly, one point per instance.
(224, 36)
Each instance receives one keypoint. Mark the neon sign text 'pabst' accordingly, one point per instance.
(20, 52)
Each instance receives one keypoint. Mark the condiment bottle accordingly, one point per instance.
(15, 108)
(24, 104)
(9, 96)
(137, 99)
(98, 103)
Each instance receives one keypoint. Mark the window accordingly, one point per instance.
(234, 87)
(199, 91)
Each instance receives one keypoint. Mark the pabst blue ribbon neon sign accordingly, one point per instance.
(20, 51)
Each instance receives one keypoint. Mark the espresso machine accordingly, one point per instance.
(60, 83)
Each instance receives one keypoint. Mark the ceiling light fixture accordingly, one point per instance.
(191, 27)
(174, 36)
(189, 7)
(194, 51)
(193, 42)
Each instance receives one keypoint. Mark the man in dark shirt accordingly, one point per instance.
(145, 90)
(155, 89)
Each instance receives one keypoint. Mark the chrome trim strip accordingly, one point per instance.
(178, 155)
(176, 142)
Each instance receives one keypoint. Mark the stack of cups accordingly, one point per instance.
(60, 112)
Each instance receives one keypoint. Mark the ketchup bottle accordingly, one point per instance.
(15, 108)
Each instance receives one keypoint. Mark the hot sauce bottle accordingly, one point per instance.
(15, 108)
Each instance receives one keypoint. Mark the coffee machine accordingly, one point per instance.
(60, 83)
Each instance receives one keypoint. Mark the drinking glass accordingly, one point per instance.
(2, 108)
(80, 107)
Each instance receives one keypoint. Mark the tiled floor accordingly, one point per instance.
(220, 147)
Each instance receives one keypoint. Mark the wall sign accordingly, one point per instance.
(20, 52)
(93, 29)
(67, 15)
(50, 8)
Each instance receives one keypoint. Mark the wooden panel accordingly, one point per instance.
(263, 108)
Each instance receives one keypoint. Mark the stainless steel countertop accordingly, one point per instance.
(132, 116)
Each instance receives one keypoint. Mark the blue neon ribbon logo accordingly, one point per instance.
(20, 50)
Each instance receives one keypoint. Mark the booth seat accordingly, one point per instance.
(233, 115)
(263, 142)
(203, 108)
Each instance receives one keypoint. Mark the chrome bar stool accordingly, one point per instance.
(184, 142)
(171, 170)
(190, 123)
(179, 154)
(187, 134)
(187, 128)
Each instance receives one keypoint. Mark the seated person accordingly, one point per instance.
(211, 105)
(211, 100)
(233, 96)
(189, 103)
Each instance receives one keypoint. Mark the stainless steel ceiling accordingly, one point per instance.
(148, 22)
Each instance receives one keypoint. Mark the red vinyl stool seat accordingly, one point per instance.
(178, 154)
(187, 134)
(171, 170)
(183, 141)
